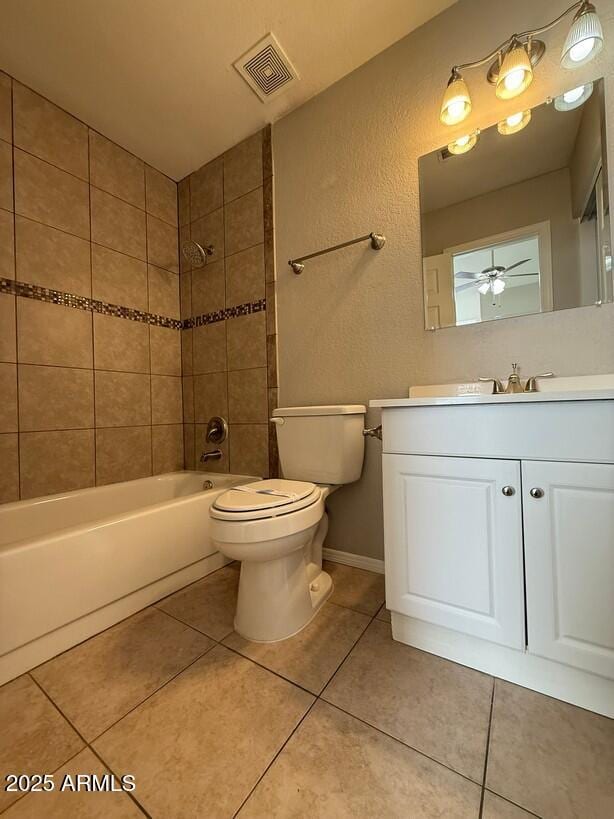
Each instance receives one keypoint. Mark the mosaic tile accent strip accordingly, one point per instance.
(223, 315)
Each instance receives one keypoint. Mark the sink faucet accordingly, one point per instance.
(514, 383)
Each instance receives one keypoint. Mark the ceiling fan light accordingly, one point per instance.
(456, 103)
(584, 39)
(514, 123)
(498, 286)
(484, 288)
(463, 144)
(516, 72)
(573, 98)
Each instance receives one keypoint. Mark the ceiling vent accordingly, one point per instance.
(266, 68)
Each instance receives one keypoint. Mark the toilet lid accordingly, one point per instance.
(265, 498)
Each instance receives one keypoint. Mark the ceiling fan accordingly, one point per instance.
(491, 278)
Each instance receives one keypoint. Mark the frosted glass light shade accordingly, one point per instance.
(456, 103)
(515, 74)
(584, 40)
(573, 98)
(514, 123)
(464, 143)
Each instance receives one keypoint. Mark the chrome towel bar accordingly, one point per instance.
(377, 243)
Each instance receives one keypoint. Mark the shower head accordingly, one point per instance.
(194, 253)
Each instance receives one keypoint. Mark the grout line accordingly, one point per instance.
(130, 794)
(89, 194)
(16, 336)
(151, 446)
(492, 707)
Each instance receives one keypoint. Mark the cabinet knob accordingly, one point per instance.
(536, 492)
(508, 491)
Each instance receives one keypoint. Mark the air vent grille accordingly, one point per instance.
(266, 68)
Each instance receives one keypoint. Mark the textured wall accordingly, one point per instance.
(351, 327)
(90, 365)
(228, 307)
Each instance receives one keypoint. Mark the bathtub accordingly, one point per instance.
(73, 564)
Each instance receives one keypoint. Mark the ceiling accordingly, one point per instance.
(156, 76)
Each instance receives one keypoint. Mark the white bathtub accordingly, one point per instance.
(75, 563)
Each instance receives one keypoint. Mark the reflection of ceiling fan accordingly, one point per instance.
(491, 278)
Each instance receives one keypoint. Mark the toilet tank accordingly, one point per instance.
(321, 444)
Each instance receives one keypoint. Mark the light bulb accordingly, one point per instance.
(514, 79)
(573, 98)
(514, 123)
(456, 103)
(580, 52)
(574, 94)
(498, 286)
(516, 72)
(484, 288)
(584, 39)
(463, 144)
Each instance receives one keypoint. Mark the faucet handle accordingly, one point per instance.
(531, 385)
(497, 386)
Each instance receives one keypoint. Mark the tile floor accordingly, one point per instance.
(339, 721)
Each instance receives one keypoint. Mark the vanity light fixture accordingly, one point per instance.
(511, 64)
(514, 123)
(464, 144)
(574, 98)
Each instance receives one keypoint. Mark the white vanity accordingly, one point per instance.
(499, 534)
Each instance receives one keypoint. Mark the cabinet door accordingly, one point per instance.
(569, 553)
(453, 544)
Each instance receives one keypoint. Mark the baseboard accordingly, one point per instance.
(371, 564)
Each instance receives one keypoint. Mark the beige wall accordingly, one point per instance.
(90, 387)
(351, 327)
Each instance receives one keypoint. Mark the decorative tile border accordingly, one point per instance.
(223, 315)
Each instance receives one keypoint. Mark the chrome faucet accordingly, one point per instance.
(514, 383)
(213, 455)
(217, 430)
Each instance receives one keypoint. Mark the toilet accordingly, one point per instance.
(276, 527)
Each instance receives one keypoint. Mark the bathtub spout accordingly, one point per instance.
(214, 455)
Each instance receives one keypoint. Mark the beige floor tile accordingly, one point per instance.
(208, 605)
(550, 757)
(65, 804)
(100, 680)
(199, 745)
(497, 808)
(356, 588)
(312, 656)
(437, 707)
(383, 614)
(35, 737)
(336, 766)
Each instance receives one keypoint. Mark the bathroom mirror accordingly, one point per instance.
(515, 218)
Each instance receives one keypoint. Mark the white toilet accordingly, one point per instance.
(276, 528)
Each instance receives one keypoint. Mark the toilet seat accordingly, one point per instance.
(264, 499)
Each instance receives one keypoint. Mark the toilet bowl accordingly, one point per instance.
(276, 527)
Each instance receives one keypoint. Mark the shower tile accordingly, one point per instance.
(183, 201)
(116, 171)
(7, 245)
(122, 399)
(247, 396)
(122, 454)
(54, 398)
(165, 346)
(188, 399)
(208, 288)
(271, 323)
(188, 445)
(209, 230)
(184, 236)
(334, 765)
(53, 334)
(271, 354)
(9, 474)
(8, 348)
(437, 707)
(245, 276)
(6, 122)
(207, 605)
(239, 712)
(51, 258)
(269, 257)
(61, 804)
(120, 344)
(43, 129)
(162, 244)
(247, 342)
(163, 292)
(99, 681)
(53, 462)
(118, 225)
(35, 737)
(206, 189)
(119, 279)
(187, 344)
(202, 445)
(8, 401)
(6, 176)
(167, 448)
(267, 153)
(356, 588)
(249, 449)
(185, 295)
(243, 167)
(166, 401)
(209, 342)
(210, 396)
(267, 204)
(161, 196)
(312, 656)
(244, 226)
(51, 196)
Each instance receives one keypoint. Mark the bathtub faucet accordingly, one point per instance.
(214, 455)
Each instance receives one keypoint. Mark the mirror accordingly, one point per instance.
(515, 219)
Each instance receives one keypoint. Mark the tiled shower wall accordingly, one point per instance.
(90, 362)
(228, 308)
